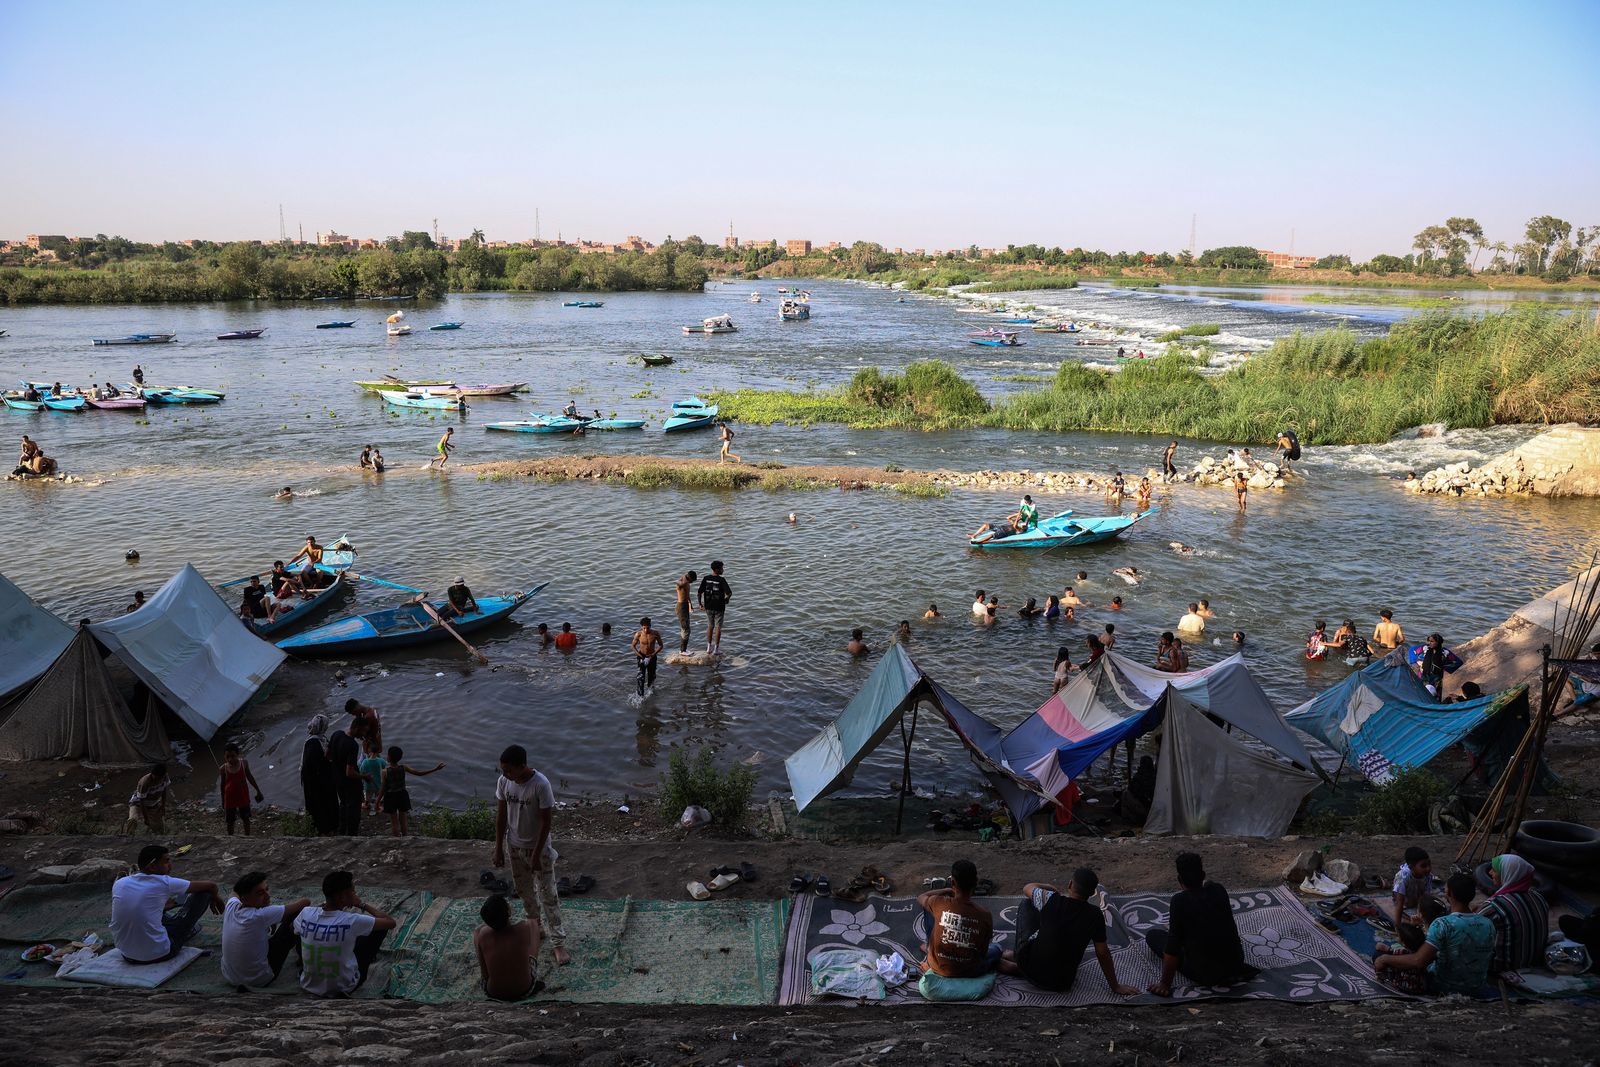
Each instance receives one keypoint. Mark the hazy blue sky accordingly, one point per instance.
(918, 124)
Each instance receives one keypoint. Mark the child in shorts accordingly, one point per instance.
(396, 797)
(371, 770)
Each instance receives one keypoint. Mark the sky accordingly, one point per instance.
(1344, 127)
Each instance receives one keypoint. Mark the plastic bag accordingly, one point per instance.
(694, 816)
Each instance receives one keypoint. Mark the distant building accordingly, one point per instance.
(1285, 261)
(34, 240)
(336, 240)
(635, 243)
(797, 248)
(832, 246)
(368, 242)
(730, 241)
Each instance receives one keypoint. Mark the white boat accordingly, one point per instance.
(398, 329)
(755, 298)
(794, 311)
(714, 324)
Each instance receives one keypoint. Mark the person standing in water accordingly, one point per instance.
(726, 432)
(444, 447)
(377, 460)
(646, 643)
(1288, 448)
(1169, 471)
(714, 595)
(1241, 490)
(366, 458)
(682, 588)
(138, 374)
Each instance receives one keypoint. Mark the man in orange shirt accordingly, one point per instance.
(566, 640)
(960, 929)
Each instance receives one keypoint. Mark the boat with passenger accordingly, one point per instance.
(713, 324)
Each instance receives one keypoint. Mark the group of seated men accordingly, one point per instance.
(1055, 926)
(154, 914)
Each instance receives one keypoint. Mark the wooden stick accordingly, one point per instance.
(451, 630)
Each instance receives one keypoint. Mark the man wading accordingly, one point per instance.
(715, 593)
(684, 585)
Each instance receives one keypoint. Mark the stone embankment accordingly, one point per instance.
(1562, 461)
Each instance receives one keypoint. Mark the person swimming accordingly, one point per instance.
(1130, 575)
(285, 493)
(1180, 548)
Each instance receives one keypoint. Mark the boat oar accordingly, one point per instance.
(451, 630)
(380, 581)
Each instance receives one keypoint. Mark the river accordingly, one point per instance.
(196, 484)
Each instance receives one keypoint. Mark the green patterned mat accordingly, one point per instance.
(623, 952)
(59, 914)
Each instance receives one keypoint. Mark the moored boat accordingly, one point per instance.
(397, 329)
(1062, 531)
(713, 324)
(137, 339)
(794, 311)
(337, 324)
(17, 402)
(1055, 327)
(1019, 322)
(494, 389)
(337, 558)
(447, 326)
(755, 298)
(614, 424)
(117, 403)
(426, 401)
(656, 361)
(583, 304)
(690, 414)
(538, 424)
(241, 335)
(389, 381)
(995, 338)
(408, 624)
(180, 394)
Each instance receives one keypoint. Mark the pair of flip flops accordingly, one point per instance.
(817, 883)
(722, 878)
(984, 888)
(567, 887)
(493, 883)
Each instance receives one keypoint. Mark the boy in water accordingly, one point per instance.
(1388, 633)
(646, 644)
(1241, 490)
(444, 448)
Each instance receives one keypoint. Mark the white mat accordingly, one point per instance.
(111, 969)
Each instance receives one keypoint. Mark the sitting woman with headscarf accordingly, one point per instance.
(1520, 915)
(316, 778)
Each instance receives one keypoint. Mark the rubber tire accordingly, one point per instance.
(1568, 845)
(1543, 882)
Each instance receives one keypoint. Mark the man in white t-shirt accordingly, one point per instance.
(256, 933)
(143, 930)
(1194, 622)
(524, 801)
(340, 939)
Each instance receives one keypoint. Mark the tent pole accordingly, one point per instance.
(905, 766)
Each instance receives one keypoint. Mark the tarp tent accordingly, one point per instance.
(189, 647)
(1381, 720)
(828, 761)
(1115, 699)
(30, 638)
(75, 712)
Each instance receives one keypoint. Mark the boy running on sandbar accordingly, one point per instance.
(444, 448)
(727, 443)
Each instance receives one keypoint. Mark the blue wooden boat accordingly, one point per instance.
(337, 558)
(15, 401)
(181, 394)
(538, 424)
(447, 326)
(583, 304)
(614, 424)
(64, 403)
(690, 414)
(427, 401)
(1062, 531)
(337, 324)
(994, 342)
(408, 624)
(1019, 322)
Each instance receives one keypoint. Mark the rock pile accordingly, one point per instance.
(1563, 461)
(1209, 471)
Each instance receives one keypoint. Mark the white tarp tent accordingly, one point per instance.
(189, 647)
(30, 638)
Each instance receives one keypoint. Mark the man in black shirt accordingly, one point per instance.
(1053, 929)
(458, 599)
(254, 608)
(344, 753)
(1201, 941)
(713, 598)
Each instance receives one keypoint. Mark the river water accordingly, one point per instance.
(196, 484)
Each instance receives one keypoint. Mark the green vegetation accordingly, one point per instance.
(1207, 329)
(695, 780)
(1024, 377)
(1525, 366)
(111, 270)
(1433, 303)
(1022, 281)
(476, 823)
(656, 476)
(1401, 807)
(921, 490)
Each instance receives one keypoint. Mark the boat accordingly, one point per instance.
(690, 414)
(48, 398)
(755, 298)
(337, 558)
(614, 424)
(397, 329)
(584, 304)
(539, 424)
(118, 403)
(389, 381)
(995, 338)
(794, 311)
(714, 324)
(1063, 531)
(408, 624)
(337, 324)
(241, 335)
(1055, 327)
(16, 402)
(447, 326)
(495, 389)
(137, 339)
(782, 289)
(656, 361)
(427, 401)
(1019, 322)
(182, 394)
(2, 333)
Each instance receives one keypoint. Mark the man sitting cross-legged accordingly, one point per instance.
(143, 930)
(339, 939)
(256, 933)
(1053, 929)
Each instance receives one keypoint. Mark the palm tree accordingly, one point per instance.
(477, 237)
(1500, 248)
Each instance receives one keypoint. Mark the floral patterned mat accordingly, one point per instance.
(1298, 960)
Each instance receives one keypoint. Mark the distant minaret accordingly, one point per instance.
(435, 231)
(302, 234)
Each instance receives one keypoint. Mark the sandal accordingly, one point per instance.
(583, 884)
(799, 883)
(723, 881)
(493, 882)
(936, 883)
(824, 888)
(699, 891)
(747, 873)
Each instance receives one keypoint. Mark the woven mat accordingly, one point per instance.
(1299, 960)
(623, 952)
